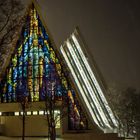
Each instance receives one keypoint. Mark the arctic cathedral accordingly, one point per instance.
(37, 71)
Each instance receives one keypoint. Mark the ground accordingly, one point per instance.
(27, 138)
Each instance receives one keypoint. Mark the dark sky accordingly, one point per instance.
(111, 29)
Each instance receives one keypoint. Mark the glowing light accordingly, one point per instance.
(79, 86)
(86, 82)
(94, 79)
(35, 113)
(28, 112)
(41, 112)
(16, 113)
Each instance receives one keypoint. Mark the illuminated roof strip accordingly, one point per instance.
(90, 90)
(96, 113)
(94, 79)
(88, 67)
(76, 71)
(85, 93)
(93, 107)
(99, 98)
(79, 86)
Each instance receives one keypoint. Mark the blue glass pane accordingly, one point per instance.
(25, 34)
(30, 40)
(14, 73)
(19, 72)
(24, 71)
(26, 47)
(20, 60)
(9, 88)
(40, 41)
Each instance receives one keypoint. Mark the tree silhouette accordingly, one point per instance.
(51, 104)
(126, 105)
(11, 20)
(22, 98)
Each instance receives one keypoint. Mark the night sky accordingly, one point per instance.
(111, 30)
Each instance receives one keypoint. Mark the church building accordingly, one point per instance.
(43, 80)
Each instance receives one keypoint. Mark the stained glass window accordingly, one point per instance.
(33, 66)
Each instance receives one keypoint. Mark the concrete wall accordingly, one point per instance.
(91, 136)
(34, 126)
(37, 125)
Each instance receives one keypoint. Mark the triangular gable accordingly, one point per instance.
(34, 66)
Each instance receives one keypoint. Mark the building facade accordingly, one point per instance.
(35, 74)
(38, 84)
